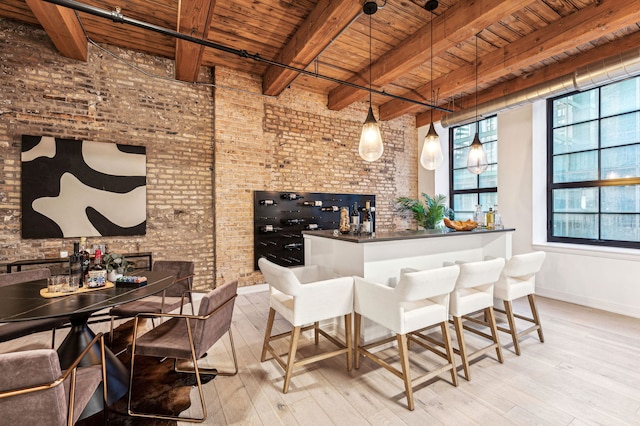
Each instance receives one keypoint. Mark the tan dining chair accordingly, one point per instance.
(518, 279)
(13, 330)
(170, 300)
(35, 391)
(186, 337)
(304, 296)
(419, 301)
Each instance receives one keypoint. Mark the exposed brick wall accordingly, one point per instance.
(104, 100)
(292, 142)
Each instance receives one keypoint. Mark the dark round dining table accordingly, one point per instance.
(23, 302)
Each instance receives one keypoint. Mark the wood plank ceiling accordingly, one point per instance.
(520, 43)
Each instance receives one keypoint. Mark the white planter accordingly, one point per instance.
(113, 276)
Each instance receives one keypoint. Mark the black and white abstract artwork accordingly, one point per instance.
(73, 188)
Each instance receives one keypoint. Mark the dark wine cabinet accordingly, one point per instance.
(280, 218)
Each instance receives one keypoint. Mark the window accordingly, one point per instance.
(593, 194)
(467, 189)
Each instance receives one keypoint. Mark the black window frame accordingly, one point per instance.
(599, 183)
(477, 190)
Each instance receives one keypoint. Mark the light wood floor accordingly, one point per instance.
(586, 373)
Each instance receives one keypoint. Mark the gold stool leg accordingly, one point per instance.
(508, 308)
(406, 374)
(267, 334)
(295, 335)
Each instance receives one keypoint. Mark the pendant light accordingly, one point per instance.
(477, 160)
(370, 147)
(431, 157)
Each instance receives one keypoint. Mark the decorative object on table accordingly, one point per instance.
(117, 265)
(44, 292)
(459, 225)
(97, 272)
(344, 221)
(131, 281)
(428, 214)
(58, 172)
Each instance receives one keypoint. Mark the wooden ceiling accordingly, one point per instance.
(520, 43)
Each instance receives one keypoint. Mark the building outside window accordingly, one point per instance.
(467, 189)
(593, 182)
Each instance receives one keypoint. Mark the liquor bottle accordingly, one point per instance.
(478, 216)
(312, 203)
(293, 246)
(355, 216)
(330, 209)
(97, 272)
(268, 203)
(497, 218)
(75, 264)
(270, 228)
(291, 196)
(312, 226)
(86, 262)
(291, 222)
(490, 219)
(366, 218)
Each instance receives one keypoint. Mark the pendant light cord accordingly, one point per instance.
(477, 127)
(370, 44)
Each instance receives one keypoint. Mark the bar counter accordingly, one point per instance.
(381, 257)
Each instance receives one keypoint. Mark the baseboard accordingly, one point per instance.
(616, 308)
(256, 288)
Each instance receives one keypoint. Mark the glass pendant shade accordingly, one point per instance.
(431, 157)
(477, 160)
(370, 147)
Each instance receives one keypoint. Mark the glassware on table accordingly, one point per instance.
(54, 283)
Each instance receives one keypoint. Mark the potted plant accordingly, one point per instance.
(428, 214)
(116, 265)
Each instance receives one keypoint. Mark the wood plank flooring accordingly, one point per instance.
(586, 373)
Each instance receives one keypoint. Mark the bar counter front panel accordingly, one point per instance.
(381, 257)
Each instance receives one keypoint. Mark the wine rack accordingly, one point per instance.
(280, 218)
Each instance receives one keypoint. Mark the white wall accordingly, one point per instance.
(597, 277)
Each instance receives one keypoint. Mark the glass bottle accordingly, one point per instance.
(478, 216)
(97, 272)
(366, 218)
(490, 219)
(497, 218)
(86, 261)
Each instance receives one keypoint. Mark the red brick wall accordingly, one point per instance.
(199, 192)
(105, 100)
(294, 143)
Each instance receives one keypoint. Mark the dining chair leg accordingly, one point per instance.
(406, 373)
(448, 348)
(293, 347)
(491, 319)
(462, 346)
(356, 340)
(508, 308)
(53, 338)
(348, 341)
(536, 317)
(267, 334)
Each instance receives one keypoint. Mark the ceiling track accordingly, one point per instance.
(118, 17)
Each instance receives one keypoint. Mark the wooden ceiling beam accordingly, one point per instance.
(578, 28)
(62, 27)
(539, 76)
(453, 26)
(195, 20)
(328, 19)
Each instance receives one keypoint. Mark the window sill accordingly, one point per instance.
(585, 250)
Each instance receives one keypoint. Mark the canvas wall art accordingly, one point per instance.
(74, 188)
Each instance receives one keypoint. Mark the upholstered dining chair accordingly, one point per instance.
(518, 279)
(13, 330)
(473, 293)
(304, 296)
(187, 337)
(170, 299)
(35, 391)
(419, 301)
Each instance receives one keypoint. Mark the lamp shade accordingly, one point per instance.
(431, 157)
(370, 147)
(477, 160)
